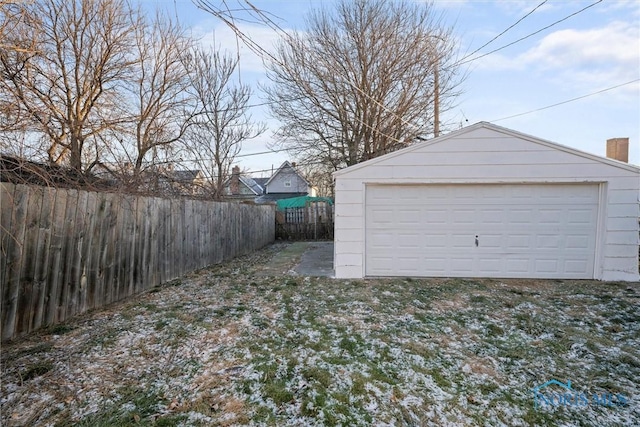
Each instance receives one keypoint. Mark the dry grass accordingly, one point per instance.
(243, 344)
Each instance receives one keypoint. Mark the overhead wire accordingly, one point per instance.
(567, 101)
(261, 52)
(504, 31)
(462, 62)
(205, 5)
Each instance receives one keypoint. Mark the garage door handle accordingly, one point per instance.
(477, 242)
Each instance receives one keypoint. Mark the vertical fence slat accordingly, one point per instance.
(74, 302)
(87, 247)
(133, 245)
(66, 256)
(11, 294)
(29, 287)
(55, 265)
(40, 281)
(6, 239)
(26, 264)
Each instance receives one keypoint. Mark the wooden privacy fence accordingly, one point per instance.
(67, 251)
(312, 222)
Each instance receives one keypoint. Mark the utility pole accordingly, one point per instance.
(436, 102)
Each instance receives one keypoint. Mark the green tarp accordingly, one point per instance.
(300, 202)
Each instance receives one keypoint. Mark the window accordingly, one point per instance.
(287, 183)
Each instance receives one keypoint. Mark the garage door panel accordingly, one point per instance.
(436, 264)
(517, 266)
(575, 266)
(382, 216)
(521, 216)
(436, 241)
(548, 266)
(523, 230)
(408, 217)
(462, 241)
(519, 241)
(491, 216)
(490, 265)
(548, 241)
(461, 264)
(579, 241)
(409, 241)
(552, 216)
(582, 216)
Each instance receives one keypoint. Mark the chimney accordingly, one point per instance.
(234, 185)
(618, 149)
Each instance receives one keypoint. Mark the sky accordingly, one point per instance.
(591, 54)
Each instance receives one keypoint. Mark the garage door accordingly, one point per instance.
(534, 231)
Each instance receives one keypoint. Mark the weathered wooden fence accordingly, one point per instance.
(67, 251)
(312, 222)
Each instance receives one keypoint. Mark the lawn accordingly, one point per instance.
(245, 343)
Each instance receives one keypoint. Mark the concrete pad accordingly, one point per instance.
(284, 261)
(317, 260)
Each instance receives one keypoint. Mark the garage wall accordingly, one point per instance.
(485, 153)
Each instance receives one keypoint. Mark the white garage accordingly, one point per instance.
(487, 201)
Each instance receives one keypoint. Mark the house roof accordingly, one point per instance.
(183, 175)
(282, 166)
(252, 185)
(261, 181)
(500, 129)
(21, 171)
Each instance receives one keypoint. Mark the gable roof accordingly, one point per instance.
(261, 181)
(284, 165)
(495, 128)
(248, 182)
(251, 184)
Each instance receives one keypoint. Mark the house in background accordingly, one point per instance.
(182, 182)
(241, 187)
(285, 183)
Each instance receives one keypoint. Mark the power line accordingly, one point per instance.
(567, 101)
(502, 33)
(260, 51)
(263, 152)
(529, 35)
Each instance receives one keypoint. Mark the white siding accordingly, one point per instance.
(485, 153)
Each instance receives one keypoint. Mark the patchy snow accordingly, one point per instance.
(228, 346)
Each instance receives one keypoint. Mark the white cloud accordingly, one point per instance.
(617, 45)
(610, 54)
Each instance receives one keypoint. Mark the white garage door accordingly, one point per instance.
(534, 231)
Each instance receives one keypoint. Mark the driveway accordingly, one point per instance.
(317, 260)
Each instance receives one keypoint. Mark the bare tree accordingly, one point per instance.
(362, 80)
(221, 121)
(69, 88)
(320, 176)
(160, 88)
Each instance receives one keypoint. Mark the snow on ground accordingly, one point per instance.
(233, 345)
